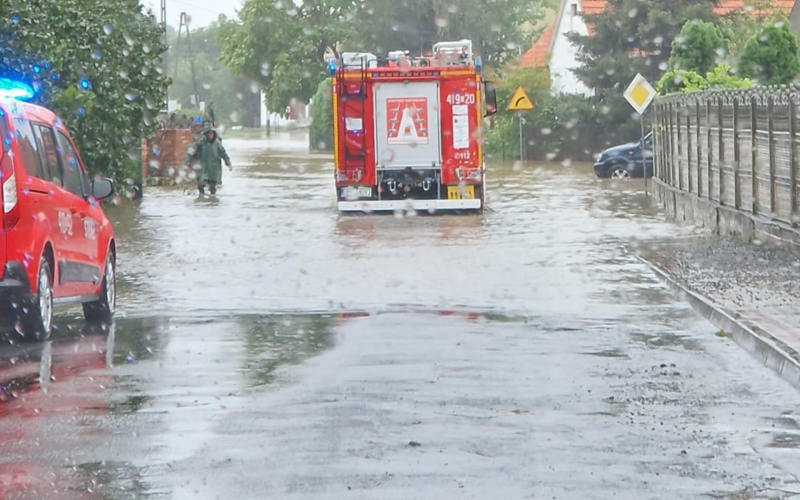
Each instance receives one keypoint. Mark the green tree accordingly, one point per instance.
(699, 47)
(771, 57)
(631, 37)
(97, 64)
(496, 27)
(282, 46)
(321, 113)
(738, 26)
(236, 100)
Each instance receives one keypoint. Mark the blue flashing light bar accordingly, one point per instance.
(13, 89)
(332, 67)
(478, 64)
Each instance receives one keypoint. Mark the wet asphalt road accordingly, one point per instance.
(267, 347)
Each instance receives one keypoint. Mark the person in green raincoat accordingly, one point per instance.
(207, 155)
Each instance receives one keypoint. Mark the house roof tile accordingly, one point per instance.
(537, 55)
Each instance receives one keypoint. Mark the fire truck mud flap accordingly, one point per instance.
(416, 205)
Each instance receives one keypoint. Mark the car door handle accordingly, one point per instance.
(75, 210)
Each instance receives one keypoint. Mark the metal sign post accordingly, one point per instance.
(641, 145)
(520, 102)
(639, 95)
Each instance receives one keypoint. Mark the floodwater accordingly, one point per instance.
(268, 347)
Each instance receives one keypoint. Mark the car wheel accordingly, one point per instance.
(619, 172)
(103, 309)
(36, 321)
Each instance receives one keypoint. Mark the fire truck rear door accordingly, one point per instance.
(407, 130)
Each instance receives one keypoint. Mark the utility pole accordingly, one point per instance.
(166, 41)
(185, 19)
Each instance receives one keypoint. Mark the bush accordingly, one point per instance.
(97, 64)
(320, 134)
(771, 56)
(720, 77)
(680, 80)
(697, 48)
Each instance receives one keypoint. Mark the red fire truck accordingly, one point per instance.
(408, 130)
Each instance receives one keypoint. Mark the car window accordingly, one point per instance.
(48, 153)
(73, 173)
(5, 137)
(26, 140)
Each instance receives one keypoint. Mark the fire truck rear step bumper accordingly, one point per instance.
(417, 205)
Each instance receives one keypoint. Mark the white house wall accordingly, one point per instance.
(564, 56)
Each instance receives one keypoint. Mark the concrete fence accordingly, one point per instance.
(729, 160)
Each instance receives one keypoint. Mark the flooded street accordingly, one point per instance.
(268, 347)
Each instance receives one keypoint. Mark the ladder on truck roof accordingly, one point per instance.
(457, 53)
(453, 53)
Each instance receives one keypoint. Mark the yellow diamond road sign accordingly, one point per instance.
(640, 93)
(520, 101)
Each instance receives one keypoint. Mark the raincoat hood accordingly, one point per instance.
(208, 129)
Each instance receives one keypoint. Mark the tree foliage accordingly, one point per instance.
(739, 26)
(720, 77)
(97, 64)
(321, 113)
(632, 36)
(699, 47)
(236, 100)
(283, 45)
(497, 28)
(771, 56)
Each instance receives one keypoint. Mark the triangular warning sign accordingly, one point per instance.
(520, 101)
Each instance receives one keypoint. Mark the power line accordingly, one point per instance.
(197, 7)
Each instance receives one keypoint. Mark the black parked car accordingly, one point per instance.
(624, 162)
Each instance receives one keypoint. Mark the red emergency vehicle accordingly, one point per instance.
(408, 130)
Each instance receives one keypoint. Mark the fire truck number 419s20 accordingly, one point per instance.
(408, 130)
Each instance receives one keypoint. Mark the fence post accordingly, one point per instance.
(753, 153)
(672, 147)
(688, 153)
(710, 155)
(699, 147)
(678, 176)
(792, 161)
(737, 154)
(656, 142)
(771, 132)
(721, 143)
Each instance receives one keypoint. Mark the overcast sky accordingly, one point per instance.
(202, 12)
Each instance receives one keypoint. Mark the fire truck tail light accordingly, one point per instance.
(468, 173)
(350, 174)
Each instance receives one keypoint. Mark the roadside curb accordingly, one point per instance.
(774, 354)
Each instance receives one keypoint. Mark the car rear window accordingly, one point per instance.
(5, 136)
(27, 146)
